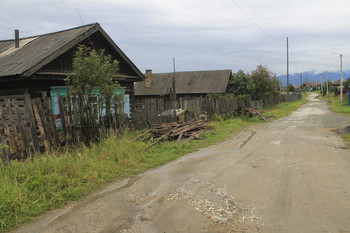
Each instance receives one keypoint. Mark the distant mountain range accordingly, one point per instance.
(312, 77)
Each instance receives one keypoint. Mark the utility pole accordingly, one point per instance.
(321, 84)
(301, 81)
(327, 81)
(287, 66)
(341, 78)
(315, 77)
(174, 86)
(306, 82)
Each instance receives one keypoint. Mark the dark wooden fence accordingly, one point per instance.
(87, 119)
(27, 126)
(196, 106)
(150, 111)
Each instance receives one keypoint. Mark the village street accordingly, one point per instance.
(290, 175)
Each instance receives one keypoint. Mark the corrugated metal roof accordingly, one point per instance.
(42, 49)
(190, 82)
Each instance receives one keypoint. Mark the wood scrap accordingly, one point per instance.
(251, 112)
(175, 131)
(141, 135)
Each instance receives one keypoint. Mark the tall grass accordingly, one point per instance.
(335, 104)
(49, 181)
(339, 107)
(284, 109)
(346, 138)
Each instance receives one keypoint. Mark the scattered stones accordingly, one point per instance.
(216, 204)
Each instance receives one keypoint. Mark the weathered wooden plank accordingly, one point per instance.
(11, 133)
(50, 120)
(70, 117)
(40, 125)
(44, 120)
(31, 120)
(25, 138)
(76, 120)
(62, 114)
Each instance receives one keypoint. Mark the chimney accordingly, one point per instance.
(148, 81)
(16, 38)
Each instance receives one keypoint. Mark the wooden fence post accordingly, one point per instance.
(62, 114)
(30, 115)
(51, 125)
(40, 125)
(20, 125)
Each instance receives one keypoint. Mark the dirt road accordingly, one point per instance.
(291, 175)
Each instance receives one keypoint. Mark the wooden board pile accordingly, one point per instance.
(176, 131)
(248, 112)
(251, 112)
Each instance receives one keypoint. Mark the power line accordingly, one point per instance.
(251, 20)
(234, 12)
(76, 5)
(257, 14)
(77, 9)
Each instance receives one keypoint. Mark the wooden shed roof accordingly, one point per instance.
(37, 51)
(190, 82)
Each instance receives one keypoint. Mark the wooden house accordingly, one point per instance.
(157, 89)
(40, 63)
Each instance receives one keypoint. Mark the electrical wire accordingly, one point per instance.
(257, 14)
(76, 5)
(234, 12)
(77, 9)
(251, 20)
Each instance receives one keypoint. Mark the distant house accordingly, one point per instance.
(336, 83)
(336, 87)
(40, 63)
(158, 87)
(309, 86)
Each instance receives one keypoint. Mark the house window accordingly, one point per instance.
(63, 92)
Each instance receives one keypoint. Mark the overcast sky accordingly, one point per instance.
(201, 34)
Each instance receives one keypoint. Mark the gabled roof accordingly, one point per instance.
(36, 51)
(337, 82)
(190, 82)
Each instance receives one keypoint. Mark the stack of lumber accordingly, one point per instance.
(251, 112)
(178, 131)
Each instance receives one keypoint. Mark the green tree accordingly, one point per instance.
(291, 88)
(93, 69)
(265, 82)
(241, 84)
